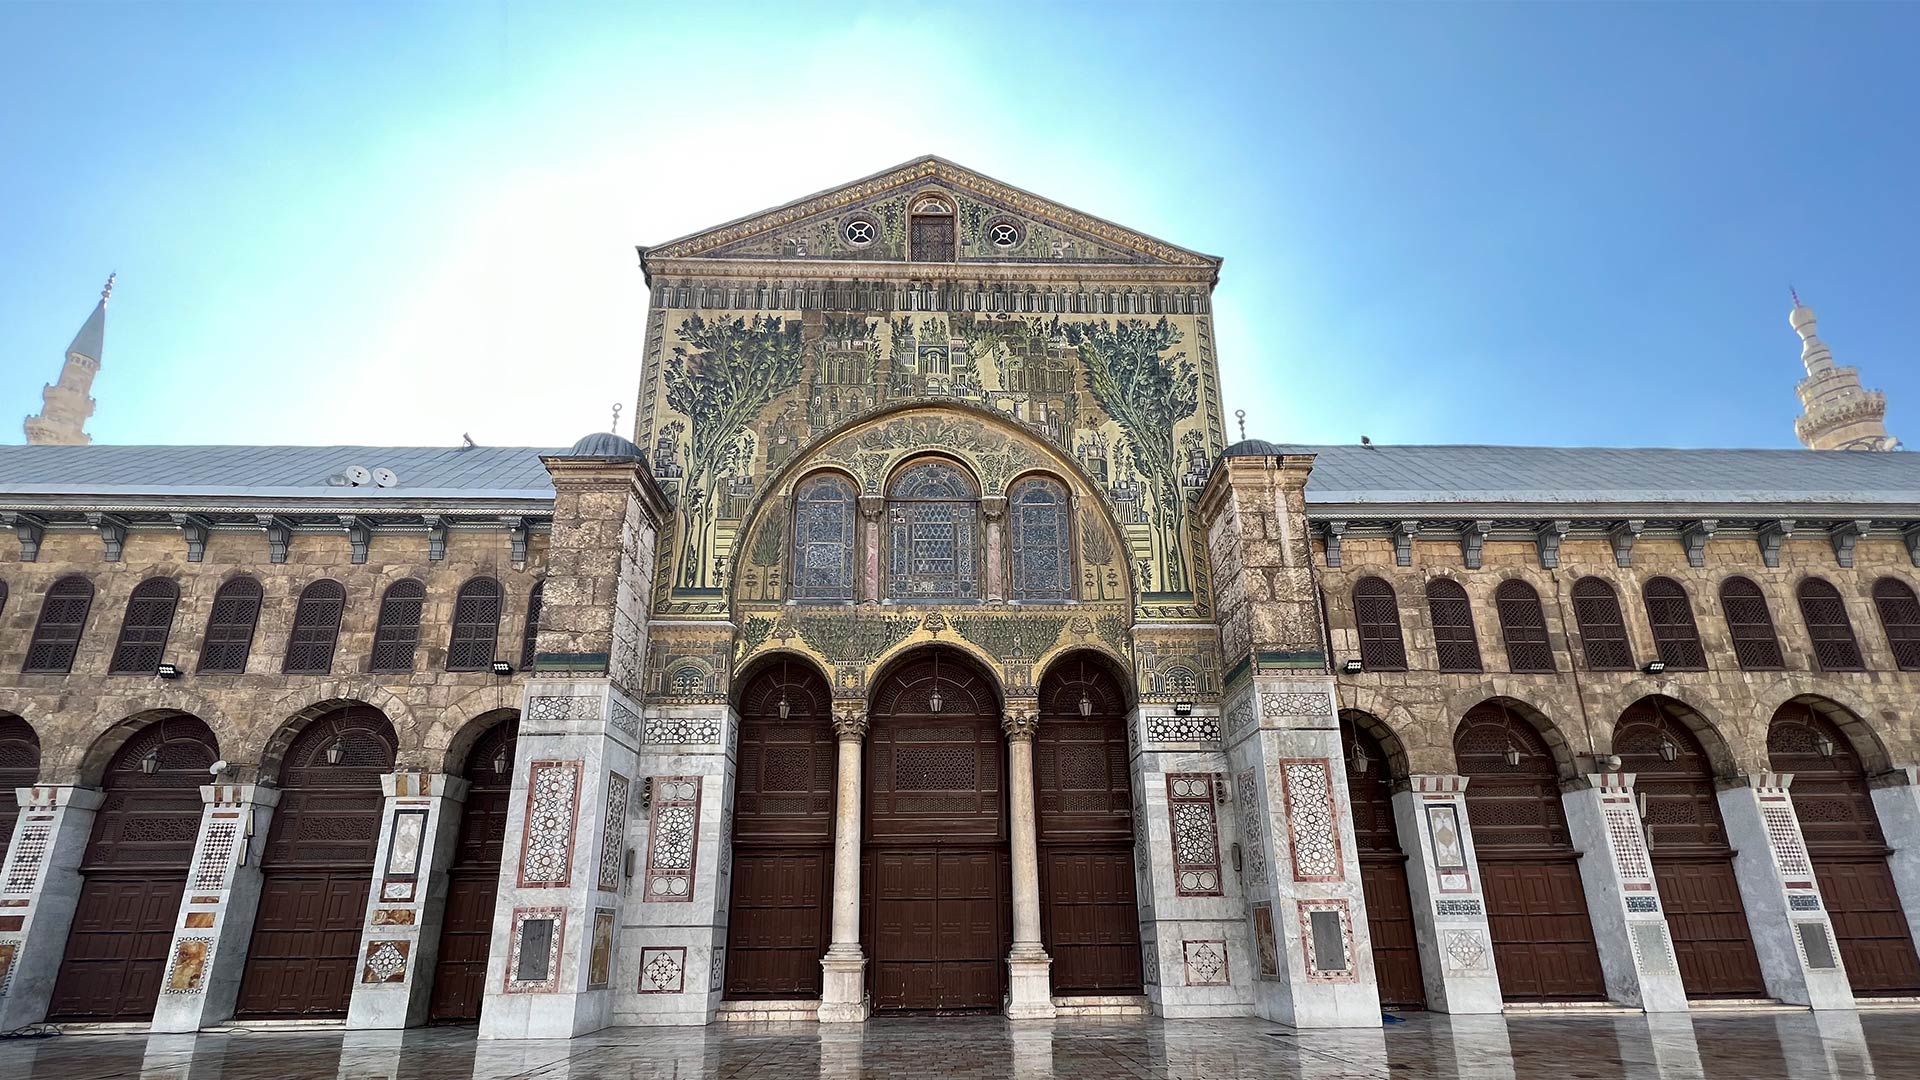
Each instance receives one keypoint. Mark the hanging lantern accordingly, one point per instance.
(1823, 744)
(786, 707)
(934, 700)
(1357, 764)
(1512, 756)
(337, 751)
(1086, 704)
(1669, 751)
(151, 762)
(501, 762)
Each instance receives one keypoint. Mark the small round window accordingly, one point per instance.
(859, 231)
(1004, 234)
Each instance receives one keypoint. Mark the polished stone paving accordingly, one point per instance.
(1575, 1045)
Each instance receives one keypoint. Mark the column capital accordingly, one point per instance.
(1435, 783)
(1022, 721)
(872, 506)
(850, 720)
(993, 507)
(1610, 782)
(50, 796)
(239, 795)
(418, 783)
(1760, 781)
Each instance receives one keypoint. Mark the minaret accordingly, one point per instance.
(1838, 414)
(65, 405)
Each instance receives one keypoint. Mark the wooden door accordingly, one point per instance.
(1089, 917)
(1848, 850)
(1529, 871)
(317, 869)
(780, 920)
(473, 879)
(134, 874)
(937, 926)
(1692, 860)
(1383, 872)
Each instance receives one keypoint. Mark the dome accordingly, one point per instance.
(1253, 448)
(604, 444)
(1801, 316)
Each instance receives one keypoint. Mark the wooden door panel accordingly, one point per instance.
(777, 928)
(116, 950)
(1869, 925)
(1542, 940)
(1090, 922)
(1396, 953)
(306, 937)
(1708, 925)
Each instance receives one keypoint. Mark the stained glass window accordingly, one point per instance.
(1038, 510)
(823, 522)
(933, 541)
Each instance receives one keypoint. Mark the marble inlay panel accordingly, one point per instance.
(673, 839)
(1313, 829)
(1195, 833)
(546, 842)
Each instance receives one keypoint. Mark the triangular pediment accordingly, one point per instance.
(870, 220)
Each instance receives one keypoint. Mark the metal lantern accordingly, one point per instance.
(501, 762)
(1512, 756)
(1357, 764)
(934, 700)
(786, 707)
(336, 751)
(1669, 751)
(1823, 744)
(151, 762)
(1086, 704)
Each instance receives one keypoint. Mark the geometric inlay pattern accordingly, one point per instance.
(556, 917)
(386, 962)
(1183, 729)
(1457, 909)
(1319, 946)
(23, 865)
(682, 730)
(613, 832)
(1250, 832)
(1786, 841)
(1629, 844)
(673, 841)
(1466, 950)
(1312, 829)
(553, 802)
(563, 708)
(663, 971)
(1206, 963)
(1643, 905)
(1803, 902)
(1295, 704)
(216, 853)
(1196, 834)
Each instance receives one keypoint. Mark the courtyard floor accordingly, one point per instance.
(1574, 1045)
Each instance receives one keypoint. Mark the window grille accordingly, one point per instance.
(823, 539)
(1453, 636)
(316, 629)
(934, 546)
(1675, 634)
(236, 611)
(143, 633)
(63, 617)
(1900, 618)
(530, 636)
(1603, 631)
(398, 633)
(1523, 626)
(476, 626)
(1377, 611)
(1834, 646)
(1749, 622)
(1040, 516)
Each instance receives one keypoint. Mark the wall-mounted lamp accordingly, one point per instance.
(1353, 667)
(1183, 708)
(337, 751)
(1655, 667)
(501, 667)
(1824, 744)
(1669, 750)
(167, 671)
(151, 763)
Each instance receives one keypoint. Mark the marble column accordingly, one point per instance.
(1791, 934)
(1896, 798)
(1449, 909)
(1629, 926)
(843, 978)
(215, 924)
(872, 509)
(993, 509)
(1029, 968)
(400, 937)
(39, 889)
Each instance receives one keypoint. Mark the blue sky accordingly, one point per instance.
(1553, 224)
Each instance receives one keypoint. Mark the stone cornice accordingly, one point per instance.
(774, 270)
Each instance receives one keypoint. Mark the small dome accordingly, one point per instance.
(604, 444)
(1253, 448)
(1801, 316)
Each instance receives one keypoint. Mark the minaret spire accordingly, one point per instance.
(65, 405)
(1837, 413)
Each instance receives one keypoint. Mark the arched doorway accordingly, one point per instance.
(1692, 860)
(318, 867)
(134, 873)
(473, 878)
(780, 914)
(1529, 871)
(19, 767)
(1083, 788)
(1383, 870)
(1832, 799)
(937, 923)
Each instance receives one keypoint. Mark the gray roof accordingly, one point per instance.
(422, 472)
(1497, 476)
(604, 444)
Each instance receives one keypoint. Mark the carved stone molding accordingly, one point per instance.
(850, 719)
(1022, 721)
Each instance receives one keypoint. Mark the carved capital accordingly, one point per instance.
(1021, 722)
(872, 506)
(993, 507)
(850, 720)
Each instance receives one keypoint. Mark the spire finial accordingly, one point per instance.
(1795, 293)
(108, 289)
(616, 419)
(1241, 415)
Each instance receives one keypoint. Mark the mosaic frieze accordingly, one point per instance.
(1193, 728)
(682, 730)
(553, 803)
(548, 707)
(690, 668)
(1178, 667)
(673, 839)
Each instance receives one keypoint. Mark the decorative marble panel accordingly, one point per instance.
(1239, 715)
(1206, 962)
(663, 970)
(403, 845)
(1150, 962)
(1643, 905)
(1252, 829)
(1784, 835)
(1196, 834)
(613, 832)
(187, 970)
(1290, 704)
(1326, 940)
(600, 959)
(1446, 840)
(718, 968)
(216, 856)
(1652, 950)
(563, 708)
(9, 950)
(682, 730)
(532, 968)
(546, 842)
(1183, 729)
(1457, 909)
(1264, 941)
(1629, 844)
(1466, 950)
(23, 862)
(622, 717)
(1803, 902)
(386, 962)
(1313, 830)
(673, 842)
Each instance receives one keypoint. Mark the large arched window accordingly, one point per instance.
(1039, 516)
(933, 525)
(63, 617)
(1900, 618)
(1452, 615)
(530, 634)
(143, 633)
(476, 626)
(1834, 646)
(1377, 612)
(1523, 626)
(236, 610)
(823, 532)
(316, 629)
(398, 632)
(1603, 632)
(1750, 624)
(1670, 615)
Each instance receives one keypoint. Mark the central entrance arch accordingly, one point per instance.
(935, 872)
